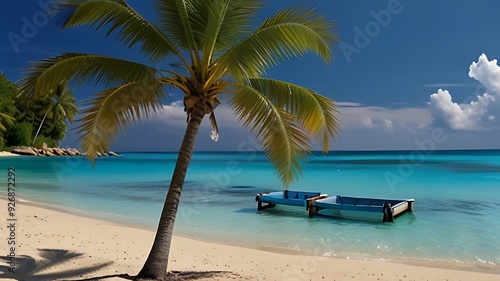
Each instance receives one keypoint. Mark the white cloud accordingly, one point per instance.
(442, 85)
(358, 116)
(348, 104)
(487, 73)
(171, 122)
(479, 114)
(388, 124)
(173, 114)
(368, 122)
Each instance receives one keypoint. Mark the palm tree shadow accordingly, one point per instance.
(196, 275)
(173, 276)
(27, 268)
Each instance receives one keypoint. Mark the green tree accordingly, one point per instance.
(7, 107)
(51, 111)
(59, 105)
(217, 53)
(47, 115)
(7, 97)
(19, 134)
(5, 121)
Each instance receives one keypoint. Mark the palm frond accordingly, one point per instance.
(70, 107)
(317, 114)
(45, 76)
(111, 111)
(67, 108)
(285, 144)
(5, 120)
(289, 33)
(218, 25)
(237, 22)
(175, 22)
(118, 17)
(207, 24)
(64, 103)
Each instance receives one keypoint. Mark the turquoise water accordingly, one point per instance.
(457, 200)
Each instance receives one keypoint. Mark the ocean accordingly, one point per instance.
(456, 220)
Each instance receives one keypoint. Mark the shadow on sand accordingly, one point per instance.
(29, 269)
(197, 275)
(172, 276)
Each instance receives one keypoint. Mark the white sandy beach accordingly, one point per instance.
(69, 247)
(5, 153)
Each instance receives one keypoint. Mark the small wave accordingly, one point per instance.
(473, 265)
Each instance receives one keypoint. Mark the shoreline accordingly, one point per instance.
(39, 225)
(110, 219)
(410, 261)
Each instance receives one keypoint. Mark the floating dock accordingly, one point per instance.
(370, 209)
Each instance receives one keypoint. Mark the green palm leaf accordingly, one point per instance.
(45, 76)
(67, 108)
(5, 120)
(228, 22)
(317, 114)
(289, 33)
(219, 25)
(63, 104)
(286, 145)
(118, 17)
(112, 110)
(175, 22)
(207, 25)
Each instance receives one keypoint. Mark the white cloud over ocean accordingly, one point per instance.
(173, 115)
(481, 113)
(165, 130)
(355, 116)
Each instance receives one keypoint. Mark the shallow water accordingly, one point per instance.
(456, 217)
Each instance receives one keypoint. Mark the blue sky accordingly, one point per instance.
(407, 75)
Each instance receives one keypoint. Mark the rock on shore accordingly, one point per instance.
(48, 151)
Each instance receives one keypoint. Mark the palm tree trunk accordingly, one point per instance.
(156, 264)
(41, 124)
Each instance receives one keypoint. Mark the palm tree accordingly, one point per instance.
(214, 52)
(60, 104)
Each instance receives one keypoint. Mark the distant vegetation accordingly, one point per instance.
(20, 120)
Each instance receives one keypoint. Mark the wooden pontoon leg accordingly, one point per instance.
(311, 208)
(388, 215)
(410, 205)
